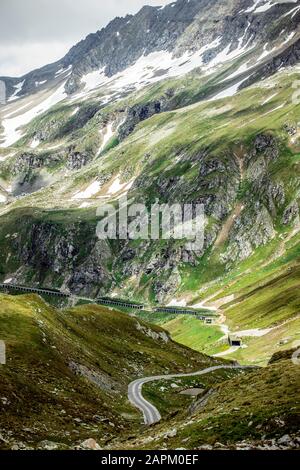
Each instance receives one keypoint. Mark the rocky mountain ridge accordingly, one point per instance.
(180, 27)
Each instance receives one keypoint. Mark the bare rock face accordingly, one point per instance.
(26, 162)
(100, 379)
(89, 444)
(251, 230)
(50, 445)
(77, 160)
(291, 213)
(56, 251)
(140, 112)
(162, 336)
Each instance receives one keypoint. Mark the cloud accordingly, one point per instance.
(36, 32)
(16, 60)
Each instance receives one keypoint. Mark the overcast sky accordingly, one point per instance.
(36, 32)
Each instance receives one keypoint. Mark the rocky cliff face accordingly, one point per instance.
(124, 40)
(68, 255)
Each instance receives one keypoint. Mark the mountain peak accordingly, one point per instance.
(178, 27)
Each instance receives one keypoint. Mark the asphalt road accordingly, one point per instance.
(150, 412)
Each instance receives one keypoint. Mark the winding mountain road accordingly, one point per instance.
(150, 412)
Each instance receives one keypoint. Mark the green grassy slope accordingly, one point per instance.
(194, 333)
(262, 292)
(266, 302)
(67, 372)
(255, 406)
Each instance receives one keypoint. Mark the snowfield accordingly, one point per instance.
(157, 66)
(89, 192)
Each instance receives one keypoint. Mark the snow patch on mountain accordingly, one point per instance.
(292, 12)
(18, 89)
(157, 66)
(177, 303)
(230, 91)
(269, 98)
(90, 191)
(260, 6)
(42, 82)
(75, 111)
(264, 7)
(63, 71)
(12, 132)
(107, 135)
(35, 143)
(117, 186)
